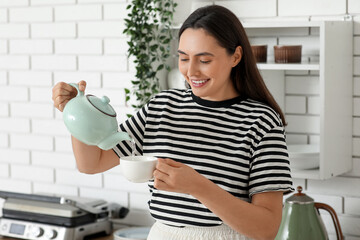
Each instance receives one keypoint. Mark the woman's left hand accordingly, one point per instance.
(173, 176)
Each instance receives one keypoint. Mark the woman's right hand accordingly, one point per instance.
(63, 92)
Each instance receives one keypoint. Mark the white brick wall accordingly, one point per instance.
(43, 42)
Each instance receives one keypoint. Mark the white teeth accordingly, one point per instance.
(199, 81)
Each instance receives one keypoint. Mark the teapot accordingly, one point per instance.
(301, 219)
(92, 120)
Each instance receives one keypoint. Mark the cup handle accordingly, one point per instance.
(80, 93)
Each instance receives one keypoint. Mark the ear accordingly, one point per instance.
(237, 55)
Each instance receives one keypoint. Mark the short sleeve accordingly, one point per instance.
(270, 167)
(135, 127)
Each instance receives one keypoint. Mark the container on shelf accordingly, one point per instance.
(260, 53)
(287, 53)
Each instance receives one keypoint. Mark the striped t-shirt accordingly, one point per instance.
(239, 144)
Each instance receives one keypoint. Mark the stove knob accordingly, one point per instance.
(51, 234)
(37, 231)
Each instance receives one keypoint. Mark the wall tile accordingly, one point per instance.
(4, 141)
(14, 156)
(339, 186)
(30, 78)
(78, 12)
(13, 185)
(356, 146)
(303, 124)
(356, 126)
(75, 178)
(110, 196)
(13, 3)
(63, 144)
(31, 110)
(14, 30)
(41, 94)
(53, 159)
(356, 65)
(32, 173)
(3, 45)
(139, 200)
(4, 110)
(51, 2)
(78, 46)
(118, 182)
(56, 189)
(336, 202)
(35, 14)
(116, 46)
(117, 80)
(4, 169)
(313, 105)
(302, 85)
(53, 30)
(93, 79)
(15, 125)
(3, 77)
(351, 205)
(353, 6)
(18, 46)
(356, 106)
(357, 86)
(53, 62)
(311, 7)
(295, 104)
(250, 8)
(31, 142)
(9, 62)
(115, 11)
(102, 63)
(49, 127)
(101, 29)
(356, 20)
(3, 15)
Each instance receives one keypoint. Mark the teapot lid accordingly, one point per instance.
(299, 197)
(102, 104)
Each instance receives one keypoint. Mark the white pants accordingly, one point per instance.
(161, 231)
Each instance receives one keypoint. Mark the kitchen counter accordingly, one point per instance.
(110, 237)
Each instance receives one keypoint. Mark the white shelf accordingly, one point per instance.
(335, 86)
(306, 174)
(288, 66)
(281, 24)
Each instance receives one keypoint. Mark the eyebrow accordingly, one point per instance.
(198, 54)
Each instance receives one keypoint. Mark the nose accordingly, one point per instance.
(193, 69)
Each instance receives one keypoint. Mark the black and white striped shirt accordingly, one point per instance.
(239, 144)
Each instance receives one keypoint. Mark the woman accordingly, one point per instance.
(223, 164)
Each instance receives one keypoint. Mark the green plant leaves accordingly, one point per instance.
(149, 26)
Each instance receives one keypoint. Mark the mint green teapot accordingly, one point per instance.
(92, 120)
(301, 219)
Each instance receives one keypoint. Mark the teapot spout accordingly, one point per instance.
(111, 141)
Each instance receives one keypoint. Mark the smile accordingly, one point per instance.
(199, 82)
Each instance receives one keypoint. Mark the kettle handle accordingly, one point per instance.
(80, 93)
(333, 216)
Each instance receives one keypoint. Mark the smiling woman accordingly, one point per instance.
(223, 164)
(206, 65)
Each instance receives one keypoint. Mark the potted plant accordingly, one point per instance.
(149, 25)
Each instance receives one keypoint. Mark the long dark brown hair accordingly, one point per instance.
(223, 24)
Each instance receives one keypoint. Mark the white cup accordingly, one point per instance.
(138, 169)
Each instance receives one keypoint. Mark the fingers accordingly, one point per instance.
(82, 85)
(62, 93)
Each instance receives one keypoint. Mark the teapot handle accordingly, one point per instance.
(80, 93)
(333, 216)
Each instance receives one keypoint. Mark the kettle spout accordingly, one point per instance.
(111, 141)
